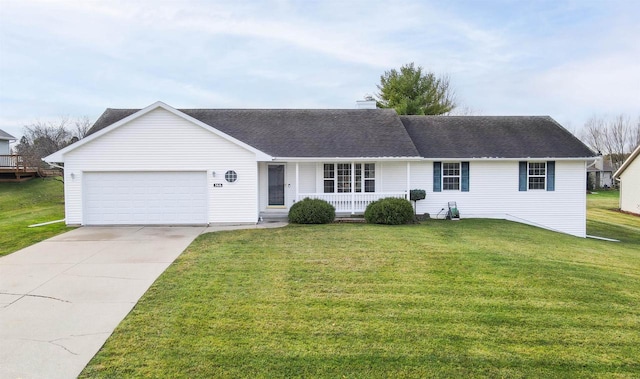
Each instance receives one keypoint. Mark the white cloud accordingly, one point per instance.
(78, 57)
(607, 83)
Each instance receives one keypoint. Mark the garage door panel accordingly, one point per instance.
(145, 198)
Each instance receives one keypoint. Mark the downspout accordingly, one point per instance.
(297, 182)
(408, 181)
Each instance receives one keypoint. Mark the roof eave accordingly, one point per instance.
(418, 158)
(508, 159)
(343, 159)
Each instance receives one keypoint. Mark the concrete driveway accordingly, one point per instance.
(62, 298)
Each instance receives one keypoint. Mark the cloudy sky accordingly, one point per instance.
(568, 59)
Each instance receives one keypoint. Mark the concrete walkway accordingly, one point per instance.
(62, 298)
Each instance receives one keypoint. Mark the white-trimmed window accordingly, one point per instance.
(451, 176)
(230, 176)
(536, 175)
(338, 177)
(369, 177)
(329, 178)
(344, 177)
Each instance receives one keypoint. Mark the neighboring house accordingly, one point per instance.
(160, 165)
(600, 174)
(628, 176)
(5, 139)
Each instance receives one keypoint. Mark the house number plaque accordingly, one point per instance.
(217, 185)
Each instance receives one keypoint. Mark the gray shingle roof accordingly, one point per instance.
(493, 137)
(348, 133)
(382, 133)
(6, 136)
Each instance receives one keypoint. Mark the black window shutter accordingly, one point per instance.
(465, 177)
(523, 177)
(437, 176)
(551, 176)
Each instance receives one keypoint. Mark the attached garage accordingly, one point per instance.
(144, 198)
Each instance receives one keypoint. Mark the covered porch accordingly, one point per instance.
(350, 186)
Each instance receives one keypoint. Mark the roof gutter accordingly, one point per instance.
(342, 159)
(416, 159)
(53, 164)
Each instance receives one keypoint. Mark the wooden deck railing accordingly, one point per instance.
(351, 202)
(13, 162)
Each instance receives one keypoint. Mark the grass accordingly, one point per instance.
(604, 219)
(27, 203)
(473, 298)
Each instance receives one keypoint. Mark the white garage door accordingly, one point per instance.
(145, 198)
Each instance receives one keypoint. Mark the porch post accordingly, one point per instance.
(353, 188)
(297, 181)
(408, 181)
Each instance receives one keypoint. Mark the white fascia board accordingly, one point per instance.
(416, 159)
(627, 162)
(58, 156)
(343, 159)
(511, 159)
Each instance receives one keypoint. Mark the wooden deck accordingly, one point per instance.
(14, 169)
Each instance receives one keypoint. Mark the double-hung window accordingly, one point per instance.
(369, 177)
(329, 178)
(342, 177)
(450, 176)
(537, 174)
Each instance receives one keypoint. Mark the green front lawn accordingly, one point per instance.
(470, 298)
(604, 219)
(27, 203)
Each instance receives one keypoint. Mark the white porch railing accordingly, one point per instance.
(351, 202)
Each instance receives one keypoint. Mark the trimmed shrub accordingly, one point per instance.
(312, 211)
(389, 211)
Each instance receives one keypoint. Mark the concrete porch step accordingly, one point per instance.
(351, 220)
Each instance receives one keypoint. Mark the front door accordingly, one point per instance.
(276, 185)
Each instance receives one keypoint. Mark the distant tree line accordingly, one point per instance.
(43, 138)
(614, 138)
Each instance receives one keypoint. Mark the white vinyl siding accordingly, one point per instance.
(160, 141)
(392, 177)
(630, 187)
(494, 194)
(4, 147)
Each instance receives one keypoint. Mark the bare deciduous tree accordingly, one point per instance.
(614, 139)
(43, 138)
(82, 126)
